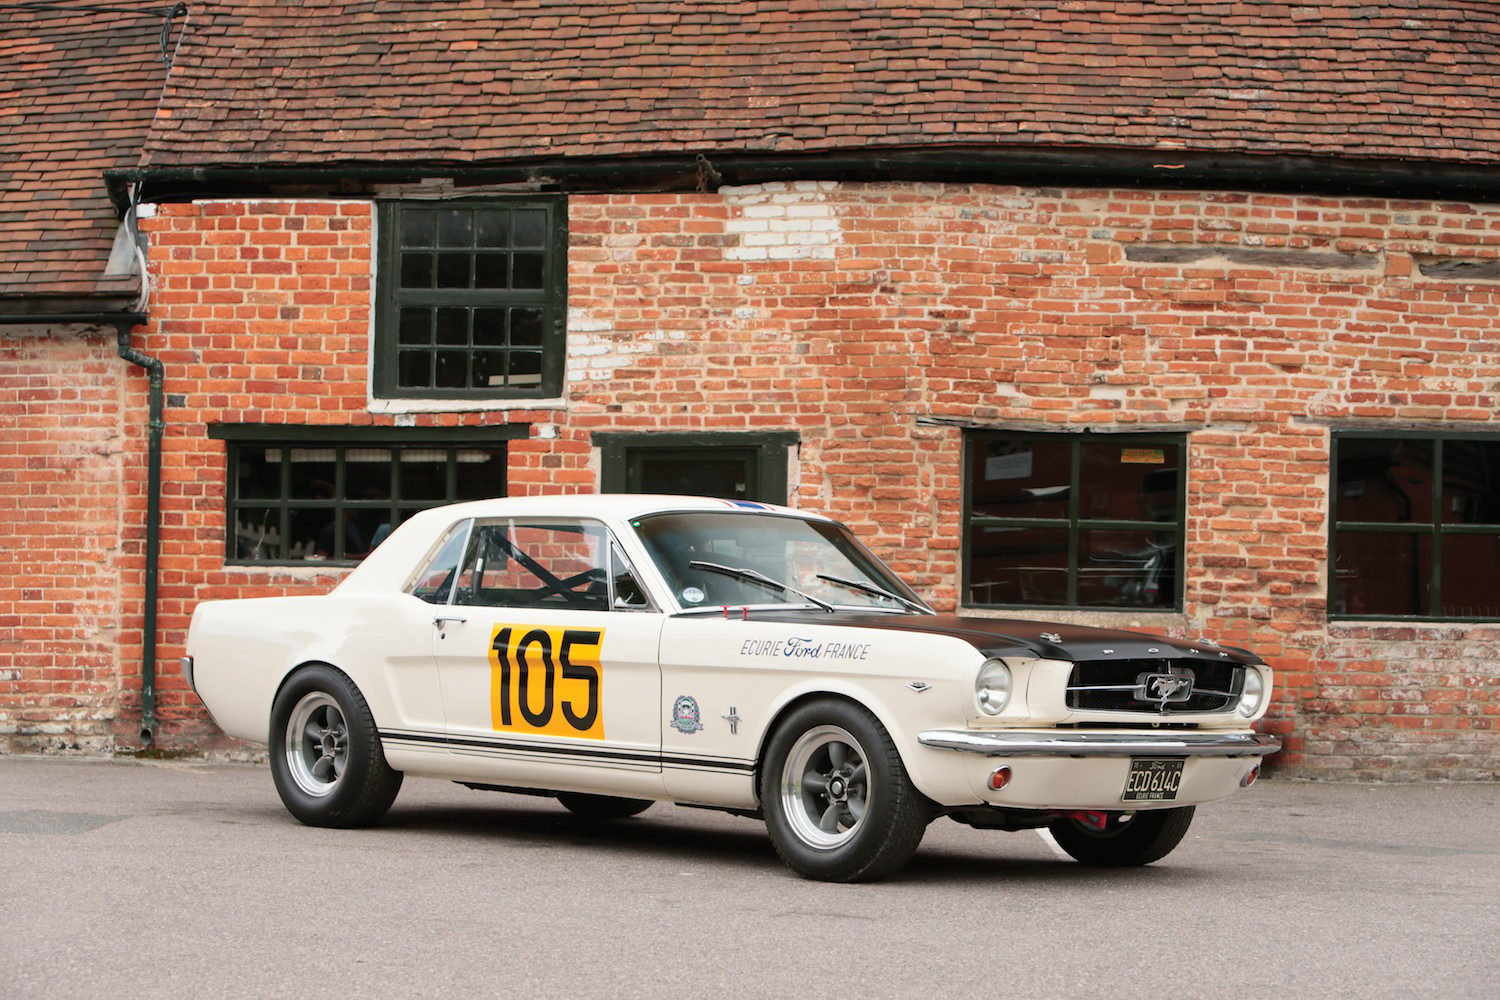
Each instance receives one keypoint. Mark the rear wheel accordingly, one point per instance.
(326, 758)
(1127, 839)
(602, 807)
(836, 797)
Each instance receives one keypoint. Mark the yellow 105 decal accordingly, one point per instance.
(546, 679)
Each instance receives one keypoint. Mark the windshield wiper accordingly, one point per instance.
(754, 577)
(870, 588)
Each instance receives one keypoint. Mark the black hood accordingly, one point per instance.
(1009, 637)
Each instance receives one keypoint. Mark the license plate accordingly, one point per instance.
(1153, 779)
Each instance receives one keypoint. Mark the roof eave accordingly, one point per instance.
(44, 309)
(696, 170)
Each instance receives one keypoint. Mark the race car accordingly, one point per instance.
(615, 651)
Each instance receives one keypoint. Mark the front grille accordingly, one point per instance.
(1118, 686)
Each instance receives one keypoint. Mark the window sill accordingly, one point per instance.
(1377, 621)
(302, 569)
(463, 405)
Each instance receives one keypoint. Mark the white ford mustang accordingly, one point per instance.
(618, 650)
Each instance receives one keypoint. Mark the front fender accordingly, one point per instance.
(901, 709)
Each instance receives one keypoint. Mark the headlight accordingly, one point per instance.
(1252, 694)
(992, 687)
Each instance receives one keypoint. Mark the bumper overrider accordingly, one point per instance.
(1075, 744)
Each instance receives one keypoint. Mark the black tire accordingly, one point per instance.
(326, 758)
(603, 807)
(1127, 839)
(836, 797)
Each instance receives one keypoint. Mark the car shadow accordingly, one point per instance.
(542, 825)
(938, 866)
(522, 824)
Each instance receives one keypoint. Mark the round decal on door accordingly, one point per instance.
(686, 718)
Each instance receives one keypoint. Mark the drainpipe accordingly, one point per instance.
(155, 426)
(124, 322)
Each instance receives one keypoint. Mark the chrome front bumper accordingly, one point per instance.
(1083, 744)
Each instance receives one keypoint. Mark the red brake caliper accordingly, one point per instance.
(1091, 818)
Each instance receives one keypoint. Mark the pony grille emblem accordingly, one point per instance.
(1166, 689)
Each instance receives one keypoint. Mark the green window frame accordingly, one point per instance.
(1074, 521)
(329, 495)
(471, 298)
(763, 455)
(1415, 526)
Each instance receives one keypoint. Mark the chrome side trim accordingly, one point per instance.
(1074, 744)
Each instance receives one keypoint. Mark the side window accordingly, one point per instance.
(536, 564)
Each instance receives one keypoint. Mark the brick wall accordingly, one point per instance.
(62, 463)
(875, 320)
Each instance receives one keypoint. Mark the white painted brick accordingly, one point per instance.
(802, 252)
(743, 193)
(580, 322)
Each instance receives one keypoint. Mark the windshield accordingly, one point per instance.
(785, 550)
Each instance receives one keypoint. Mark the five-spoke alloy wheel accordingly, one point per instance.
(825, 788)
(317, 744)
(837, 800)
(326, 757)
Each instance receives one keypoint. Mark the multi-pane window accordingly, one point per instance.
(1082, 521)
(471, 299)
(300, 498)
(1416, 529)
(736, 465)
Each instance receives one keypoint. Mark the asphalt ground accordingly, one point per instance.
(126, 879)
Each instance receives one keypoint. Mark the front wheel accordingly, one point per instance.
(326, 758)
(836, 797)
(1127, 839)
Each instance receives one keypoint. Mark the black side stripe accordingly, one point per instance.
(462, 744)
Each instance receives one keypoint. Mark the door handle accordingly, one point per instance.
(441, 620)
